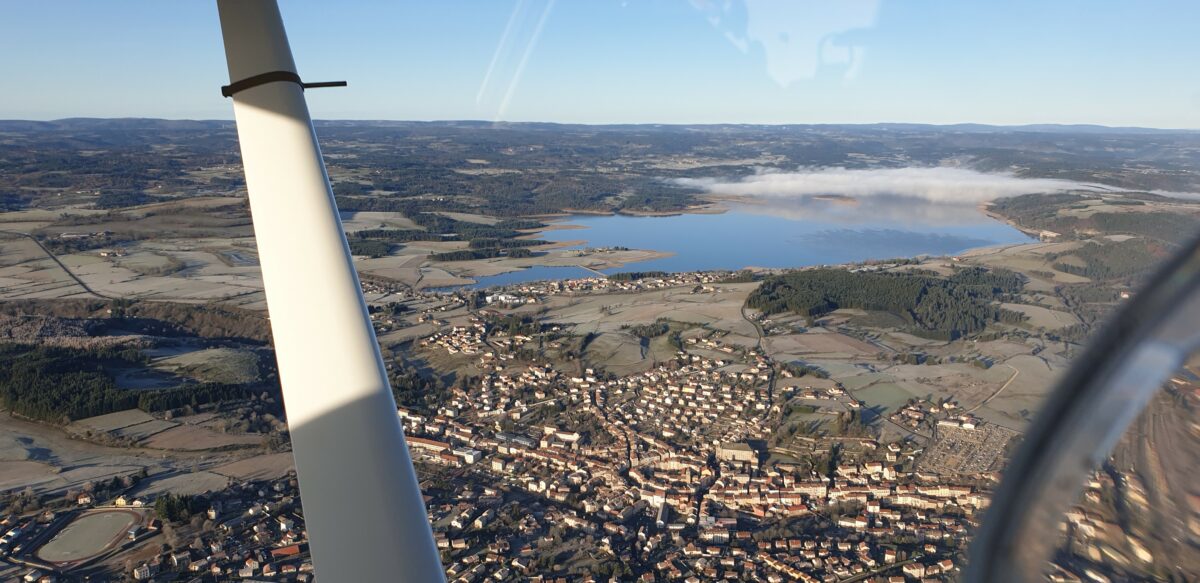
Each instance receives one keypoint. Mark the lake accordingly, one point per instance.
(779, 234)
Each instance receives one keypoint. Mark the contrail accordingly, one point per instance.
(512, 37)
(487, 77)
(512, 86)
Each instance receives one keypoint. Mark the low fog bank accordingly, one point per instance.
(880, 209)
(937, 185)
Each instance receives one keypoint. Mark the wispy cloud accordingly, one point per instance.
(940, 185)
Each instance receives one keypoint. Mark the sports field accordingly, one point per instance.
(89, 535)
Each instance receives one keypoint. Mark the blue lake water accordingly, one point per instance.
(777, 234)
(535, 273)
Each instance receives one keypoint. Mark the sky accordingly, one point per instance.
(629, 61)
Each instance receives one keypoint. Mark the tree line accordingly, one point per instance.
(652, 330)
(635, 275)
(178, 507)
(484, 241)
(369, 248)
(504, 243)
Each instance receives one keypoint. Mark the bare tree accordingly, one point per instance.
(169, 534)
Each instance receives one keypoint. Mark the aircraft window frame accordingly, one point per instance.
(1104, 391)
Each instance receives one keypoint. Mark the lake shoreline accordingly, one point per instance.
(756, 232)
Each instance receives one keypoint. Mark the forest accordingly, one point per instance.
(170, 507)
(934, 307)
(466, 255)
(1111, 260)
(161, 318)
(60, 385)
(1041, 211)
(179, 319)
(369, 248)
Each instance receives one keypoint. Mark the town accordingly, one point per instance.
(667, 472)
(541, 469)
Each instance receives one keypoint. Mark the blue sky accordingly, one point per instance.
(630, 61)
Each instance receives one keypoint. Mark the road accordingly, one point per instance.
(757, 328)
(762, 349)
(60, 264)
(881, 570)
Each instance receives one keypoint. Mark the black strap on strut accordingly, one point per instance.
(255, 81)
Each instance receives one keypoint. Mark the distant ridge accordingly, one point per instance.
(117, 123)
(143, 124)
(1036, 128)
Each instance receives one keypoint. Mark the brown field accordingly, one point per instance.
(63, 462)
(819, 342)
(805, 382)
(551, 258)
(112, 421)
(144, 430)
(217, 365)
(182, 483)
(1037, 378)
(1040, 317)
(363, 220)
(472, 218)
(195, 438)
(15, 250)
(964, 383)
(406, 334)
(904, 340)
(263, 467)
(15, 475)
(601, 312)
(1025, 259)
(619, 352)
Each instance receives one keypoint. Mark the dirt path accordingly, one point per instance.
(1016, 372)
